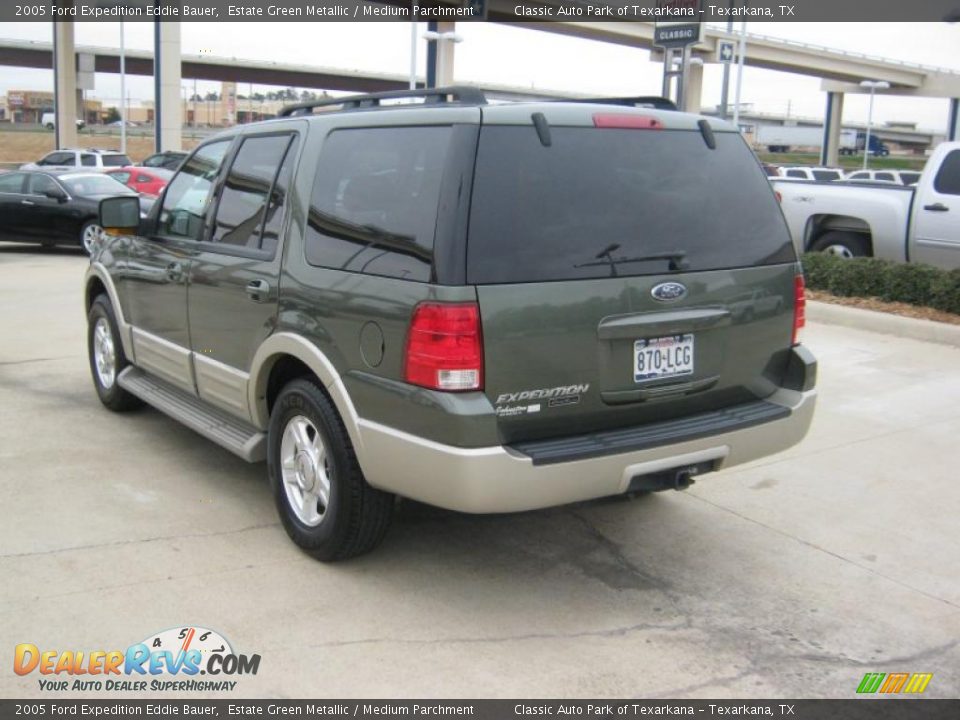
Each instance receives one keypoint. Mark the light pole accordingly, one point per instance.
(123, 94)
(741, 55)
(447, 36)
(873, 85)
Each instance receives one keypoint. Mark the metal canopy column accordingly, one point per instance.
(166, 84)
(64, 83)
(693, 87)
(445, 50)
(832, 122)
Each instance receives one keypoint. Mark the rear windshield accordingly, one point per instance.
(609, 202)
(115, 160)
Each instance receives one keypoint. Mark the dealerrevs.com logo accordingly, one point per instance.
(171, 660)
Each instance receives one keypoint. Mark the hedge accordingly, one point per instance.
(914, 284)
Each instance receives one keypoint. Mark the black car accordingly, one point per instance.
(54, 208)
(170, 159)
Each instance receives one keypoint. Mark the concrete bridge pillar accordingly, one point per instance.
(166, 86)
(65, 83)
(693, 89)
(832, 124)
(953, 124)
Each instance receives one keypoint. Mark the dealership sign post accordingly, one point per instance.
(675, 36)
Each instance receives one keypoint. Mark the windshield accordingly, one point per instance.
(95, 185)
(610, 202)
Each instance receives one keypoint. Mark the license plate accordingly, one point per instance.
(664, 357)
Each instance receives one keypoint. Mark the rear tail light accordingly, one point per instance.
(626, 122)
(445, 347)
(799, 307)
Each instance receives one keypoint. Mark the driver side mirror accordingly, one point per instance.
(55, 193)
(120, 215)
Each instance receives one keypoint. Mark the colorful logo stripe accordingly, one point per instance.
(893, 683)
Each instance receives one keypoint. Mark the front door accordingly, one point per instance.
(936, 229)
(156, 269)
(12, 195)
(232, 298)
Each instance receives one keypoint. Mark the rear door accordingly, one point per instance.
(232, 297)
(936, 232)
(625, 276)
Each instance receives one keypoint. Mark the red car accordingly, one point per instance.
(146, 181)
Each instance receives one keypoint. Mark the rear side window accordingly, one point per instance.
(796, 174)
(88, 160)
(188, 195)
(947, 181)
(374, 203)
(241, 214)
(609, 202)
(825, 175)
(11, 183)
(860, 176)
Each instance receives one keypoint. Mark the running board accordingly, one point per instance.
(238, 437)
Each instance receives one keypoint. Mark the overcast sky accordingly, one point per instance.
(514, 55)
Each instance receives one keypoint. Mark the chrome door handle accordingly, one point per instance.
(258, 290)
(27, 202)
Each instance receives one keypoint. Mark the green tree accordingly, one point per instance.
(112, 115)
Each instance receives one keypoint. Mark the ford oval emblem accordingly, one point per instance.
(668, 291)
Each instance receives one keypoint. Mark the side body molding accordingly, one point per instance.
(97, 270)
(273, 349)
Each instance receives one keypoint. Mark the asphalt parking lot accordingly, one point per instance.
(790, 577)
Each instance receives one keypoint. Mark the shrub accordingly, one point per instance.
(914, 284)
(946, 292)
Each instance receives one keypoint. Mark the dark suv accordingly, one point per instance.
(488, 308)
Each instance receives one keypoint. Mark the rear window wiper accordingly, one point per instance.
(677, 259)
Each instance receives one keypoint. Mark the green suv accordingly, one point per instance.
(485, 307)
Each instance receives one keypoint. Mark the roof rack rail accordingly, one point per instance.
(651, 101)
(455, 95)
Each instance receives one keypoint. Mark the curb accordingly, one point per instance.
(885, 323)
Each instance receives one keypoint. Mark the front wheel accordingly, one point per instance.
(846, 245)
(325, 504)
(90, 236)
(107, 359)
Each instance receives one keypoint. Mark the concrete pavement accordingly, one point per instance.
(791, 577)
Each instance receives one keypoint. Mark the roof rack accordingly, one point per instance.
(651, 101)
(445, 95)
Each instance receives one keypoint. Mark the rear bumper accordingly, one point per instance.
(502, 479)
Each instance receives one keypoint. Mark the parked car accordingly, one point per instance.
(900, 177)
(169, 159)
(812, 174)
(150, 182)
(489, 308)
(90, 159)
(54, 208)
(915, 224)
(49, 121)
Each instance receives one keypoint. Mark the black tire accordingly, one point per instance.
(111, 395)
(843, 244)
(357, 516)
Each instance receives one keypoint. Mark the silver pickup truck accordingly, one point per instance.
(906, 224)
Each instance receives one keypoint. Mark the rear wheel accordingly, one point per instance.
(107, 359)
(326, 505)
(842, 244)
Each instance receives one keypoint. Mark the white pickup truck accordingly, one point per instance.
(906, 224)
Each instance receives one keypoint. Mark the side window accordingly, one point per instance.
(245, 202)
(188, 195)
(153, 161)
(885, 176)
(40, 184)
(272, 225)
(373, 208)
(88, 160)
(947, 181)
(909, 178)
(12, 183)
(860, 176)
(797, 174)
(57, 158)
(120, 176)
(140, 178)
